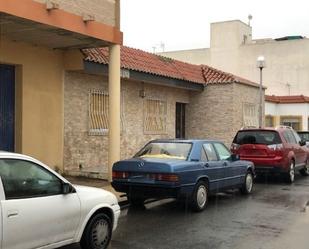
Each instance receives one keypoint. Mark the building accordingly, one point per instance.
(61, 100)
(39, 42)
(287, 110)
(160, 98)
(233, 49)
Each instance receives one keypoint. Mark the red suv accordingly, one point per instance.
(276, 150)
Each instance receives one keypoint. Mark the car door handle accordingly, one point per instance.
(206, 165)
(225, 164)
(12, 214)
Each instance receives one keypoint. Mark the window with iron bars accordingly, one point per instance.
(250, 115)
(98, 112)
(155, 115)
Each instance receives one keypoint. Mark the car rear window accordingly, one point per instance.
(257, 137)
(304, 136)
(165, 150)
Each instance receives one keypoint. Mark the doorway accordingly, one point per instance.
(7, 108)
(180, 120)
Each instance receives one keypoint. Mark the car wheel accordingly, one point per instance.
(97, 233)
(305, 171)
(290, 175)
(248, 184)
(200, 196)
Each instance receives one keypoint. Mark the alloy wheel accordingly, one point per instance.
(249, 183)
(292, 172)
(100, 234)
(201, 196)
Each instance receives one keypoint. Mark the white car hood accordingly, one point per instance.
(95, 195)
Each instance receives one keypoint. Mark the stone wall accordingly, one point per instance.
(86, 154)
(210, 114)
(245, 94)
(104, 10)
(217, 113)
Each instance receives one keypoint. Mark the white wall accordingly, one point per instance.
(301, 109)
(270, 109)
(193, 56)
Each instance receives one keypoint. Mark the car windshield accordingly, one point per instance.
(168, 150)
(304, 136)
(257, 137)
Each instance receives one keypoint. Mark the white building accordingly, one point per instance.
(233, 50)
(287, 110)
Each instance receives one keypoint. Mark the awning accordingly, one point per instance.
(29, 21)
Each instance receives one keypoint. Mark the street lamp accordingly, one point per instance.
(261, 64)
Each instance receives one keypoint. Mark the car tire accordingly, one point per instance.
(200, 196)
(290, 175)
(97, 233)
(247, 186)
(305, 171)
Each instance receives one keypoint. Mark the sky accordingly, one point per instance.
(185, 24)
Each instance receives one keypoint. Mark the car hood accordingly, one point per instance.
(95, 196)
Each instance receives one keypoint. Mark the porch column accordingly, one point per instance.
(114, 107)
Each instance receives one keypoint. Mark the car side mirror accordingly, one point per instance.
(302, 143)
(66, 188)
(235, 157)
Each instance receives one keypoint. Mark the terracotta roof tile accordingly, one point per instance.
(287, 99)
(138, 60)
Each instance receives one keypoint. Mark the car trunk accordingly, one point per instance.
(144, 170)
(144, 165)
(256, 151)
(257, 144)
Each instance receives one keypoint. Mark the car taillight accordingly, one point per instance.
(167, 177)
(120, 175)
(275, 146)
(234, 146)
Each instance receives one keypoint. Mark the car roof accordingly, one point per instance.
(6, 154)
(184, 140)
(260, 129)
(279, 128)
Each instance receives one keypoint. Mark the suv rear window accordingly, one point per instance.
(304, 136)
(257, 137)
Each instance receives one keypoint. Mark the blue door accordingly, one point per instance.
(7, 107)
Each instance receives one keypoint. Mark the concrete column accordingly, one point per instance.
(305, 122)
(114, 107)
(277, 121)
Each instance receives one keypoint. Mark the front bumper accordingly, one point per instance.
(116, 211)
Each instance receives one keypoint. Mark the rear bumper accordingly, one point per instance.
(152, 191)
(272, 165)
(268, 169)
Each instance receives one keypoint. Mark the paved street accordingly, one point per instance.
(274, 216)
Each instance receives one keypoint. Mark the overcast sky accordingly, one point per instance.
(185, 24)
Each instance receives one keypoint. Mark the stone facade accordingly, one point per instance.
(105, 11)
(210, 113)
(86, 154)
(217, 113)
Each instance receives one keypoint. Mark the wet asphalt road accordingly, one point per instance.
(274, 216)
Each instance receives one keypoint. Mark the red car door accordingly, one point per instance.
(302, 151)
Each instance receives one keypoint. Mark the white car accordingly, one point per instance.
(41, 209)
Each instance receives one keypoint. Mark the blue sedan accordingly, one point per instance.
(190, 170)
